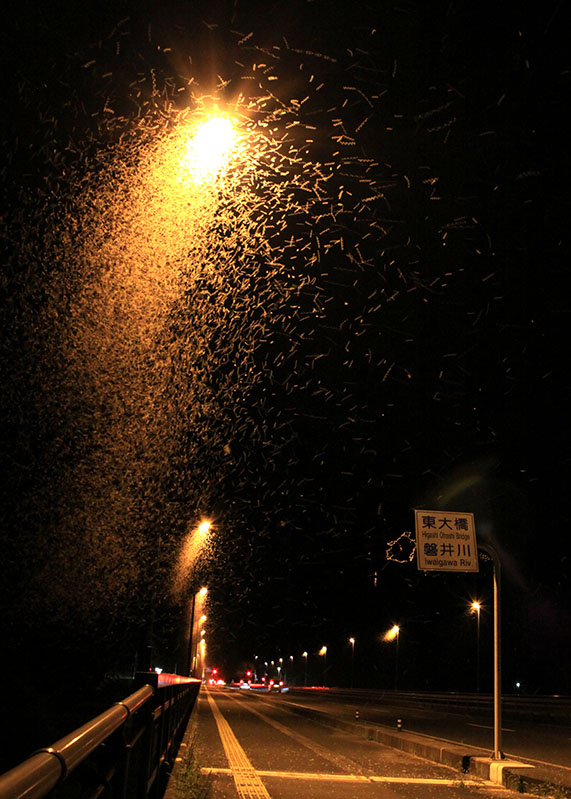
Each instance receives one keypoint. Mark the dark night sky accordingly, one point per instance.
(395, 341)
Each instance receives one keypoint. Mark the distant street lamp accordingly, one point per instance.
(323, 653)
(352, 642)
(304, 656)
(202, 656)
(476, 607)
(197, 647)
(392, 635)
(183, 577)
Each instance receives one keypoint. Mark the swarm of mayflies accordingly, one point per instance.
(244, 329)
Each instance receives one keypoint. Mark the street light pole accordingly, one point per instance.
(391, 635)
(397, 658)
(476, 607)
(323, 651)
(352, 642)
(197, 648)
(491, 552)
(191, 635)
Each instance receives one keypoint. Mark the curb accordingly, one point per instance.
(511, 774)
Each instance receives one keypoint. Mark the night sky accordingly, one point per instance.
(365, 314)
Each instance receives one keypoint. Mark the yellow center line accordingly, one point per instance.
(248, 783)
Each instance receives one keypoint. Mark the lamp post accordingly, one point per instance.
(397, 656)
(476, 607)
(492, 553)
(304, 656)
(352, 642)
(183, 576)
(323, 653)
(392, 635)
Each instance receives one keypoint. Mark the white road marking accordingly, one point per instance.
(306, 775)
(338, 760)
(488, 727)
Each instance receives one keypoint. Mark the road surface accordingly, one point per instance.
(250, 745)
(523, 737)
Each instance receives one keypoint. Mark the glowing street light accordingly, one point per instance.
(197, 631)
(476, 607)
(391, 634)
(191, 550)
(202, 657)
(304, 656)
(209, 150)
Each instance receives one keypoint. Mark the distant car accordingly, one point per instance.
(278, 687)
(245, 686)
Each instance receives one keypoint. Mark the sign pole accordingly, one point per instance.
(491, 552)
(446, 541)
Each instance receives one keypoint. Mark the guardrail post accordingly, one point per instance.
(174, 701)
(162, 738)
(148, 678)
(123, 769)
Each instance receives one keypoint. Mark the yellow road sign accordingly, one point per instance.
(446, 541)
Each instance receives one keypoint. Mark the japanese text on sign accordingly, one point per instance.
(446, 541)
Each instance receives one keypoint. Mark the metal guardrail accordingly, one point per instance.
(523, 705)
(544, 707)
(124, 753)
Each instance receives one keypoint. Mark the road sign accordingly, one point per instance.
(445, 541)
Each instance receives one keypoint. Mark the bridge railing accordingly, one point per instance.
(124, 753)
(548, 708)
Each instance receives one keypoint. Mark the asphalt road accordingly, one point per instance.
(522, 738)
(251, 745)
